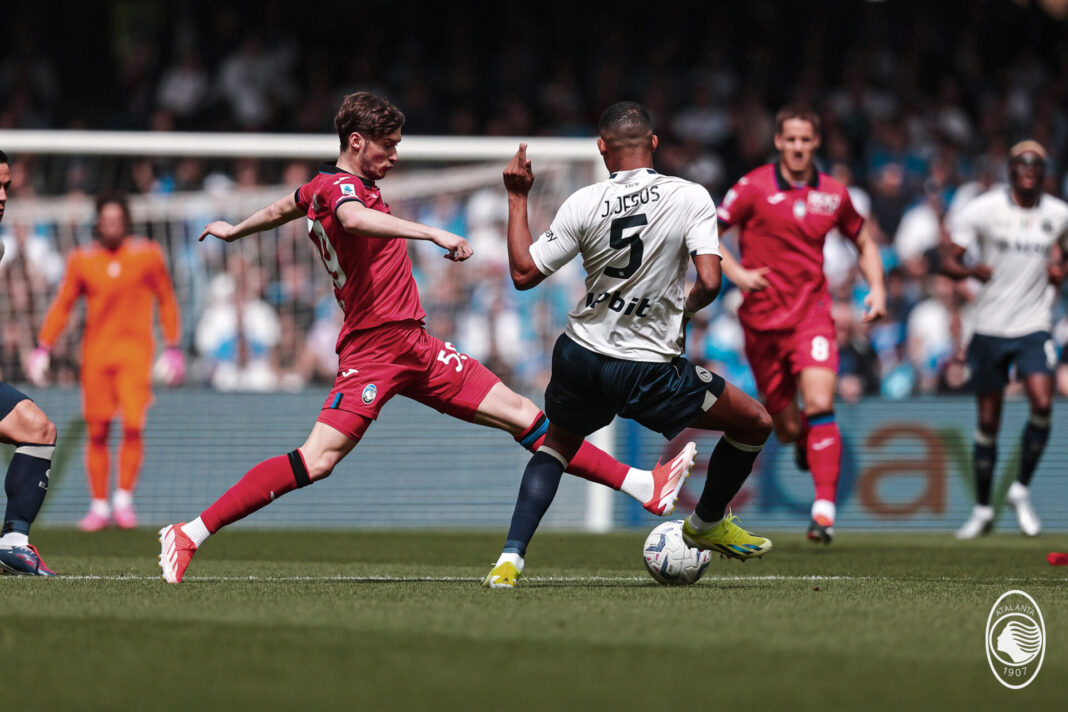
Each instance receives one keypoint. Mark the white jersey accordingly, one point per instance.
(636, 232)
(1015, 242)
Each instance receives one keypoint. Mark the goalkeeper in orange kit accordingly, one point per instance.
(120, 276)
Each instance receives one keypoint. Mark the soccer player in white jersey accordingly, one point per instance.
(1020, 235)
(621, 351)
(24, 425)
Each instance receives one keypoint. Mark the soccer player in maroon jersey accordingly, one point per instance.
(783, 212)
(383, 348)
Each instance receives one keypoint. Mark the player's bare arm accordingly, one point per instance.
(1056, 271)
(747, 280)
(870, 264)
(358, 219)
(953, 265)
(518, 179)
(277, 213)
(706, 288)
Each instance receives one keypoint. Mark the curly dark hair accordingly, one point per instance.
(366, 114)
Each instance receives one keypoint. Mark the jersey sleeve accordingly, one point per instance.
(561, 242)
(849, 220)
(965, 228)
(737, 205)
(164, 291)
(72, 286)
(303, 196)
(702, 230)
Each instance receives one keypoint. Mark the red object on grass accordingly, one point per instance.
(1057, 559)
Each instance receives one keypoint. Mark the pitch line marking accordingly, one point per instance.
(536, 579)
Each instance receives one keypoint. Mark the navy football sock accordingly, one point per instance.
(26, 485)
(541, 478)
(984, 457)
(729, 466)
(1035, 435)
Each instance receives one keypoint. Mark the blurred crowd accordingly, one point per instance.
(919, 105)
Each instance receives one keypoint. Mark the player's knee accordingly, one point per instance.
(98, 432)
(37, 427)
(320, 466)
(1042, 408)
(819, 403)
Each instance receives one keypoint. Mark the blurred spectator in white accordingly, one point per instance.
(250, 82)
(839, 254)
(24, 241)
(238, 331)
(320, 358)
(703, 119)
(184, 87)
(938, 329)
(920, 230)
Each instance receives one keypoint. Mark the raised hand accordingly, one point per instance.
(518, 175)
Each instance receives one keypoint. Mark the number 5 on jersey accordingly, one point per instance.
(617, 240)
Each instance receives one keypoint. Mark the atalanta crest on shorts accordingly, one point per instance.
(369, 393)
(703, 373)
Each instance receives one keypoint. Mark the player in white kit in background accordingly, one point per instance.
(1020, 236)
(621, 353)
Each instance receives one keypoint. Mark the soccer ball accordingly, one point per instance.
(669, 559)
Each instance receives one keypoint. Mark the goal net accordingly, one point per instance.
(259, 320)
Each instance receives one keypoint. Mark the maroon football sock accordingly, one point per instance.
(262, 484)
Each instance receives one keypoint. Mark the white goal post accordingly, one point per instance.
(466, 163)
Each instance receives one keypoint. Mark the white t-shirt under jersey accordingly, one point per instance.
(636, 232)
(1015, 242)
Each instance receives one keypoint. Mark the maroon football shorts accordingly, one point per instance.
(778, 357)
(402, 359)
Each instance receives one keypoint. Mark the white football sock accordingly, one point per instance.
(122, 499)
(13, 539)
(825, 508)
(196, 531)
(100, 507)
(638, 484)
(513, 557)
(701, 525)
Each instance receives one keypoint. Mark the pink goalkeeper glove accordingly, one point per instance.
(170, 368)
(37, 365)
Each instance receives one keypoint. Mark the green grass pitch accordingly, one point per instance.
(397, 621)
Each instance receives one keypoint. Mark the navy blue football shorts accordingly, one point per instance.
(9, 398)
(587, 390)
(989, 358)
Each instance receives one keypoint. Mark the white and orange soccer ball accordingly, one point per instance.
(669, 559)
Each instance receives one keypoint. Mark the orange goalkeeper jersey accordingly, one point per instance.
(119, 287)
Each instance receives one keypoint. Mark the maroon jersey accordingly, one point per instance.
(372, 276)
(783, 227)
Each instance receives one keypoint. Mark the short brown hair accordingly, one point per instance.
(797, 111)
(118, 199)
(368, 115)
